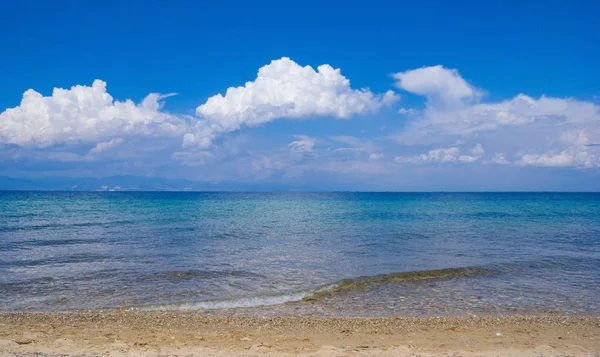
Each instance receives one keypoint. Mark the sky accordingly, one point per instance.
(360, 95)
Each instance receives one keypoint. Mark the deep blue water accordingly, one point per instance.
(63, 250)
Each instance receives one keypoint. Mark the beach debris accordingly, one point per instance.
(245, 339)
(498, 334)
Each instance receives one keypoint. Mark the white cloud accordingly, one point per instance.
(357, 148)
(439, 155)
(477, 150)
(85, 124)
(105, 146)
(545, 131)
(302, 144)
(355, 144)
(82, 114)
(408, 112)
(284, 89)
(443, 155)
(544, 116)
(468, 158)
(499, 159)
(436, 83)
(578, 154)
(561, 159)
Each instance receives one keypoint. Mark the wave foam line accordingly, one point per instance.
(359, 283)
(256, 301)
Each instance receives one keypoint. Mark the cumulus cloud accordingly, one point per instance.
(545, 131)
(82, 114)
(436, 83)
(284, 89)
(443, 155)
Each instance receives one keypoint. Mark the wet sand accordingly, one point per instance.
(129, 333)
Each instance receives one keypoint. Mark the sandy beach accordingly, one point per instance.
(193, 334)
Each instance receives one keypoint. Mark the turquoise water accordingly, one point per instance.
(267, 253)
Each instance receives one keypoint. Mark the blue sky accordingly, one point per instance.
(430, 95)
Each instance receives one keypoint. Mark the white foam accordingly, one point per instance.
(265, 300)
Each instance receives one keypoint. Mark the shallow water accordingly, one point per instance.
(540, 252)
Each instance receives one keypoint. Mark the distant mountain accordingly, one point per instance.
(132, 183)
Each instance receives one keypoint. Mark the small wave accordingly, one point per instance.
(359, 283)
(256, 301)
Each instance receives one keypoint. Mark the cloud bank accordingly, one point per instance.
(545, 131)
(454, 128)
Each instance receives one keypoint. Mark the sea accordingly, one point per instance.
(298, 253)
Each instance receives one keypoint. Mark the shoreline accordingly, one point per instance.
(185, 333)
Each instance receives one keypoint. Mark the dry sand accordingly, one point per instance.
(193, 334)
